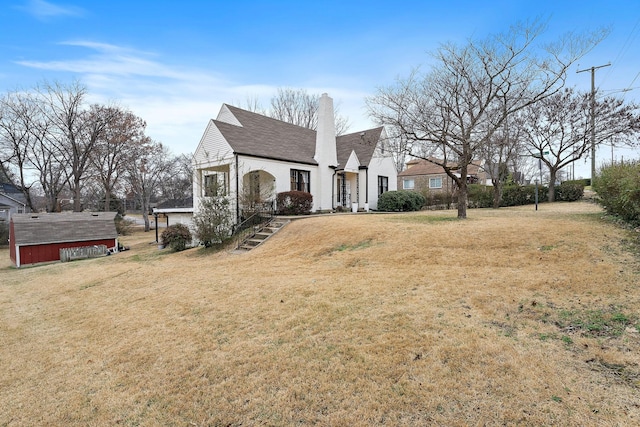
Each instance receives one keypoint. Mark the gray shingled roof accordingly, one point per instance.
(262, 136)
(364, 145)
(424, 167)
(43, 228)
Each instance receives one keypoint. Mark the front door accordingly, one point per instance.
(344, 191)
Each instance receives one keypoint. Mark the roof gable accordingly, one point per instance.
(12, 201)
(262, 136)
(252, 134)
(353, 164)
(225, 115)
(362, 143)
(43, 228)
(212, 146)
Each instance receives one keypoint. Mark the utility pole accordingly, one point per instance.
(593, 116)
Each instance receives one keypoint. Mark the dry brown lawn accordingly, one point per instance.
(512, 317)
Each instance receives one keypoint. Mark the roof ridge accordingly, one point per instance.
(266, 117)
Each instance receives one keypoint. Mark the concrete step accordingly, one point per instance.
(262, 235)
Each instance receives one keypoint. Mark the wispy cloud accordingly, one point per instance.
(44, 10)
(108, 59)
(177, 101)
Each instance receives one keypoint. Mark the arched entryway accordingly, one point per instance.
(258, 191)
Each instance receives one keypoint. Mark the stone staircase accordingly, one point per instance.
(261, 234)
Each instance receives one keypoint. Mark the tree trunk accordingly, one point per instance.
(552, 185)
(145, 218)
(107, 201)
(497, 193)
(462, 199)
(77, 201)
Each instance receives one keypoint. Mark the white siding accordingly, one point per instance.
(281, 171)
(353, 164)
(381, 165)
(213, 148)
(225, 115)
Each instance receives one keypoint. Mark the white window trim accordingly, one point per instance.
(434, 179)
(406, 181)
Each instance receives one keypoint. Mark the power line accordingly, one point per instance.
(624, 49)
(593, 115)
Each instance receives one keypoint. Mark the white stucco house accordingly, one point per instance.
(254, 157)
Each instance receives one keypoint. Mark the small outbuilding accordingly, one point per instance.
(38, 237)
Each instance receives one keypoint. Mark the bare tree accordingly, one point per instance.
(559, 129)
(252, 103)
(455, 109)
(113, 150)
(18, 130)
(48, 163)
(178, 185)
(75, 130)
(396, 144)
(501, 155)
(297, 107)
(145, 171)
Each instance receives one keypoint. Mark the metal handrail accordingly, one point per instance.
(255, 222)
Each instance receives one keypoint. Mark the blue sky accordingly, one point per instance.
(174, 63)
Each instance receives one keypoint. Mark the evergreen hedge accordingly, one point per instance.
(618, 188)
(570, 191)
(294, 203)
(400, 201)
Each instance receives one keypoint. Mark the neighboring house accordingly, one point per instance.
(254, 157)
(172, 216)
(423, 175)
(38, 237)
(12, 201)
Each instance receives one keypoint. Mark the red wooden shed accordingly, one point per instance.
(38, 237)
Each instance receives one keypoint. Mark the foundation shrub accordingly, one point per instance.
(400, 201)
(176, 237)
(294, 203)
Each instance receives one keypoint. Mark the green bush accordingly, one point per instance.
(437, 198)
(479, 196)
(400, 201)
(518, 195)
(294, 203)
(213, 222)
(618, 188)
(176, 237)
(123, 226)
(570, 191)
(4, 233)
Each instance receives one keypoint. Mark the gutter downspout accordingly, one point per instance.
(237, 191)
(366, 185)
(333, 188)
